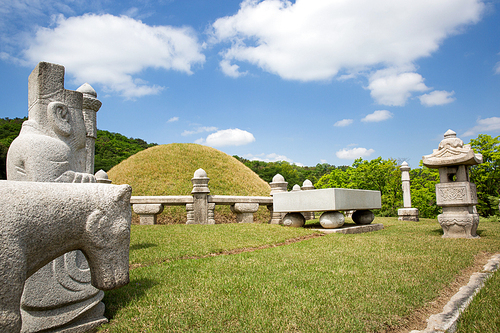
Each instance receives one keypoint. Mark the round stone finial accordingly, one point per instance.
(102, 177)
(278, 178)
(87, 89)
(200, 173)
(450, 139)
(307, 183)
(450, 134)
(296, 188)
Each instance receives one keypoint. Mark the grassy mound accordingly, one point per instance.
(168, 169)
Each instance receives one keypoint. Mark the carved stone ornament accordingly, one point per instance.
(451, 151)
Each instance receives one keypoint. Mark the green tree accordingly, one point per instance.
(9, 130)
(486, 176)
(377, 174)
(112, 148)
(423, 191)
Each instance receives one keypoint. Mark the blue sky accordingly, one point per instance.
(306, 81)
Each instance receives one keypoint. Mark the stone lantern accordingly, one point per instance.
(455, 193)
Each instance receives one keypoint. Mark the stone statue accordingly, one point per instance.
(41, 221)
(455, 193)
(51, 144)
(51, 147)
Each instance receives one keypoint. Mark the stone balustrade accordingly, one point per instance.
(200, 205)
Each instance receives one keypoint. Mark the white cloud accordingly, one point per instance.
(484, 125)
(390, 87)
(200, 129)
(173, 119)
(228, 137)
(310, 40)
(377, 116)
(112, 51)
(343, 123)
(437, 97)
(231, 70)
(497, 68)
(351, 154)
(273, 157)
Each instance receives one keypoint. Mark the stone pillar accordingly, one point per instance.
(200, 208)
(244, 211)
(306, 186)
(455, 193)
(90, 107)
(406, 213)
(277, 185)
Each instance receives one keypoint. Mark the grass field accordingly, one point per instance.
(246, 278)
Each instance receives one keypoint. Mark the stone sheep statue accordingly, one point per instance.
(41, 221)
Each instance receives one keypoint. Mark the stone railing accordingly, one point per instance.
(200, 205)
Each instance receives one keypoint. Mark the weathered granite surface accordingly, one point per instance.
(455, 193)
(41, 221)
(52, 147)
(331, 220)
(327, 199)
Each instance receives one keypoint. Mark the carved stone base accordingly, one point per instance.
(459, 225)
(408, 214)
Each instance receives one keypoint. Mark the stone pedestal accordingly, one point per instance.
(408, 214)
(244, 211)
(148, 212)
(455, 193)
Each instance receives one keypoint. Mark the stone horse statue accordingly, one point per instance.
(41, 221)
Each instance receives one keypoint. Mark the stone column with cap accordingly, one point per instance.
(306, 186)
(277, 185)
(455, 193)
(90, 107)
(407, 213)
(198, 211)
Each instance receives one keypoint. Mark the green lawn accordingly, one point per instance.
(334, 283)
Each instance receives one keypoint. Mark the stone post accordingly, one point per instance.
(244, 211)
(90, 107)
(147, 212)
(199, 214)
(306, 186)
(455, 193)
(406, 213)
(277, 185)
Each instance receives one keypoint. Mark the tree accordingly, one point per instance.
(377, 174)
(486, 176)
(423, 191)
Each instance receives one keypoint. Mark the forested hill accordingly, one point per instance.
(110, 148)
(292, 173)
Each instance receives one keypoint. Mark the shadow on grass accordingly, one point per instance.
(142, 246)
(437, 232)
(121, 297)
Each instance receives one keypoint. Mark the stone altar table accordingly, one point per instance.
(330, 201)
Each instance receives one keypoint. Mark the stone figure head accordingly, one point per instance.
(53, 110)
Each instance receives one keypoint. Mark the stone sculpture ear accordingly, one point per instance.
(59, 116)
(124, 192)
(98, 227)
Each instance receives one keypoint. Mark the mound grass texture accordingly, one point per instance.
(371, 282)
(168, 170)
